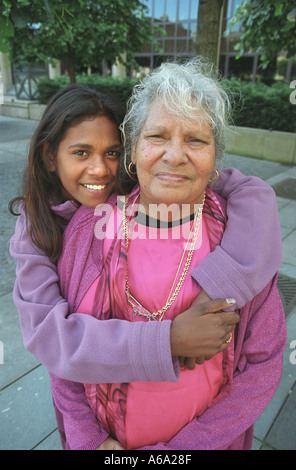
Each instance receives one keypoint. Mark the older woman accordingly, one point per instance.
(169, 223)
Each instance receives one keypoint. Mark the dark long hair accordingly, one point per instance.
(67, 108)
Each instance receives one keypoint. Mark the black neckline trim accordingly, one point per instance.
(146, 220)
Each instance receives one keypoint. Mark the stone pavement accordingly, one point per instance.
(26, 412)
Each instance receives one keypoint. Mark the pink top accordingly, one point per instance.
(168, 407)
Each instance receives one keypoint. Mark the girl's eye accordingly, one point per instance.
(113, 154)
(80, 153)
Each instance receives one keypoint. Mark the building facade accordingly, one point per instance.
(179, 20)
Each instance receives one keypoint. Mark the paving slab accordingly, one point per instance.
(52, 442)
(288, 171)
(287, 215)
(271, 414)
(26, 410)
(16, 360)
(13, 129)
(288, 270)
(282, 435)
(253, 166)
(289, 248)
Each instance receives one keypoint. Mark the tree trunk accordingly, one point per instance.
(70, 65)
(209, 20)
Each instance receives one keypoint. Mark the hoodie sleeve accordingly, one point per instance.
(250, 252)
(76, 347)
(82, 430)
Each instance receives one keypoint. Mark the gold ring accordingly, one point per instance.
(230, 338)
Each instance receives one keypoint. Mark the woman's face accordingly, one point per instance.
(175, 158)
(87, 161)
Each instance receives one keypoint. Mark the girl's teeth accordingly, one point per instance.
(94, 186)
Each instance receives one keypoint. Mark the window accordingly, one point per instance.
(184, 9)
(159, 10)
(232, 6)
(194, 9)
(171, 10)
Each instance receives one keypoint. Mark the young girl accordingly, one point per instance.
(72, 161)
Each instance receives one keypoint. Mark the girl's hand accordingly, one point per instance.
(190, 362)
(202, 331)
(110, 444)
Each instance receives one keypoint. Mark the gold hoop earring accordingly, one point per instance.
(216, 177)
(129, 169)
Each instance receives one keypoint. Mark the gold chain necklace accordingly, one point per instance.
(171, 298)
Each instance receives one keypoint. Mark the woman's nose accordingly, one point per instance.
(175, 153)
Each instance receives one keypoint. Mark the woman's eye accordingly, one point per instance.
(155, 138)
(196, 141)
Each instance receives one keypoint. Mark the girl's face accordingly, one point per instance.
(87, 161)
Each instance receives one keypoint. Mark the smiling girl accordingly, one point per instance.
(87, 160)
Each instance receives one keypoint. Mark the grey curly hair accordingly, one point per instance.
(189, 90)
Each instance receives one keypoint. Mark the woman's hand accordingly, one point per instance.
(202, 331)
(110, 444)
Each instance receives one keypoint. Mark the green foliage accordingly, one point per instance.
(254, 104)
(121, 88)
(77, 32)
(46, 87)
(265, 28)
(260, 106)
(6, 26)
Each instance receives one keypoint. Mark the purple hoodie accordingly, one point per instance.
(260, 340)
